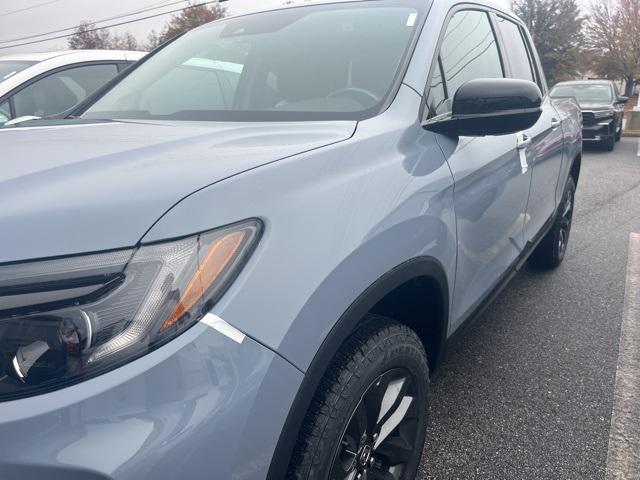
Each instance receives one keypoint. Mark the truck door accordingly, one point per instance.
(491, 186)
(544, 149)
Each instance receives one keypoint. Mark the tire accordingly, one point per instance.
(609, 143)
(382, 361)
(553, 247)
(619, 130)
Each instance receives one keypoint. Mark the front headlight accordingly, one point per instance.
(65, 320)
(604, 113)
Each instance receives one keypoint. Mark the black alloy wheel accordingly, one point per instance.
(565, 224)
(553, 247)
(380, 438)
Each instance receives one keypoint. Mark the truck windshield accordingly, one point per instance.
(585, 93)
(9, 68)
(319, 62)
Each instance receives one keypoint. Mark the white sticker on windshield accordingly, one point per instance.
(412, 20)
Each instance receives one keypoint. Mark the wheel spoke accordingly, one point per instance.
(373, 402)
(396, 450)
(345, 463)
(390, 398)
(394, 393)
(393, 421)
(379, 475)
(358, 424)
(568, 206)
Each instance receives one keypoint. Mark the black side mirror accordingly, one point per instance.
(492, 106)
(622, 100)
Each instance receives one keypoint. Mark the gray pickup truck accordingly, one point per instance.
(245, 257)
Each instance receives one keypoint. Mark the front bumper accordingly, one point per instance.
(599, 130)
(203, 406)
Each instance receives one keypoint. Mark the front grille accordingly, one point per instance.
(588, 119)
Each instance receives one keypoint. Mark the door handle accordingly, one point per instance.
(524, 141)
(555, 123)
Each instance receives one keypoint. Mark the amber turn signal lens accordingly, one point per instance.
(220, 255)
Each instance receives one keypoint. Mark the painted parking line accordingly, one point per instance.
(623, 459)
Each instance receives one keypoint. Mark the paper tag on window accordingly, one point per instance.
(411, 21)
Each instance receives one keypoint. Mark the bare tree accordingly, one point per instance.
(153, 41)
(556, 29)
(614, 40)
(125, 41)
(87, 37)
(192, 16)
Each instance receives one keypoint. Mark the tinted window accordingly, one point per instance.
(326, 61)
(62, 90)
(516, 50)
(469, 50)
(5, 113)
(10, 68)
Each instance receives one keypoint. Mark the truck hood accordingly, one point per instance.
(591, 106)
(86, 187)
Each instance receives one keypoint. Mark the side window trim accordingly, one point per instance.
(12, 107)
(437, 62)
(9, 104)
(535, 64)
(506, 67)
(525, 40)
(445, 87)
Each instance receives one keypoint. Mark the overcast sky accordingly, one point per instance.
(25, 18)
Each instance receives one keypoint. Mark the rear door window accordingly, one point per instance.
(516, 50)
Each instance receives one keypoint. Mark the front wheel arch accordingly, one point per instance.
(417, 268)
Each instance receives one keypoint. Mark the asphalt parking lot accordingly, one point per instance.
(528, 392)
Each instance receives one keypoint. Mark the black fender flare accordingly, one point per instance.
(348, 322)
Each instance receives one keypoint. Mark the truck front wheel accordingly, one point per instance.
(368, 418)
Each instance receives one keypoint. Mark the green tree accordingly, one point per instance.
(192, 16)
(556, 27)
(614, 40)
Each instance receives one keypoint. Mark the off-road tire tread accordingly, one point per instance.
(375, 337)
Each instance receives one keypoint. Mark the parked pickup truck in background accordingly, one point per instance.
(602, 109)
(246, 258)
